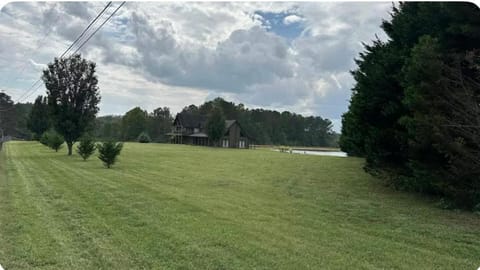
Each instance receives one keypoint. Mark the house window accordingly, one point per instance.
(196, 130)
(225, 143)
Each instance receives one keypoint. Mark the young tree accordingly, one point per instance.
(39, 119)
(44, 138)
(73, 96)
(86, 147)
(108, 152)
(55, 140)
(215, 125)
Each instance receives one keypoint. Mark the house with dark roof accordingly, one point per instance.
(189, 128)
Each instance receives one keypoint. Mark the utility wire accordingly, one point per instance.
(27, 94)
(32, 88)
(90, 36)
(28, 90)
(111, 15)
(39, 44)
(86, 29)
(33, 91)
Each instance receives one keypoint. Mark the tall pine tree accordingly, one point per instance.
(414, 111)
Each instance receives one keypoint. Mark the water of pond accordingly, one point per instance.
(319, 153)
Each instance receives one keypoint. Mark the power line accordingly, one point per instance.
(89, 37)
(33, 91)
(86, 29)
(29, 89)
(111, 15)
(32, 88)
(27, 94)
(39, 44)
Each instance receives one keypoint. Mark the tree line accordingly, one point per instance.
(273, 127)
(30, 121)
(414, 113)
(14, 117)
(136, 125)
(264, 126)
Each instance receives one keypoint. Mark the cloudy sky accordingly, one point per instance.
(282, 55)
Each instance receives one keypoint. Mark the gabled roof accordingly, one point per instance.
(190, 120)
(229, 123)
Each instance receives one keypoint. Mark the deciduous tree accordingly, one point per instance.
(134, 122)
(73, 96)
(215, 125)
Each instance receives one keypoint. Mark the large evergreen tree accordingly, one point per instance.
(414, 110)
(370, 128)
(72, 94)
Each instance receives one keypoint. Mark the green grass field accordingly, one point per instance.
(185, 207)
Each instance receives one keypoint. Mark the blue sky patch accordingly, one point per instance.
(276, 23)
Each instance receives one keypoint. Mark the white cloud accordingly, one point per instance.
(174, 54)
(121, 89)
(290, 19)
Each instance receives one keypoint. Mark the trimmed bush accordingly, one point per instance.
(108, 152)
(86, 147)
(144, 138)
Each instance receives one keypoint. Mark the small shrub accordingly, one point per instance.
(144, 138)
(86, 147)
(52, 139)
(108, 152)
(55, 140)
(44, 138)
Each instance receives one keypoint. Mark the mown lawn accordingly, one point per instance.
(184, 207)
